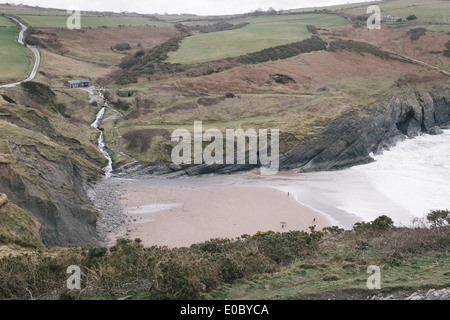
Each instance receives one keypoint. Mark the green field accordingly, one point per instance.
(14, 62)
(262, 32)
(431, 14)
(60, 21)
(5, 22)
(429, 10)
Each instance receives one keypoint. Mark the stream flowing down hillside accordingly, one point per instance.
(101, 143)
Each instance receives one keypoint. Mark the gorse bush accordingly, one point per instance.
(161, 272)
(333, 230)
(139, 140)
(139, 53)
(362, 48)
(149, 62)
(121, 104)
(439, 218)
(121, 46)
(286, 247)
(39, 92)
(416, 33)
(284, 51)
(195, 272)
(447, 52)
(382, 223)
(8, 99)
(44, 40)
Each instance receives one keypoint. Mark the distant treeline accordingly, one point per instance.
(284, 51)
(215, 27)
(149, 62)
(361, 47)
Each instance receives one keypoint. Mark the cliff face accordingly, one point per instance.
(349, 141)
(344, 142)
(54, 194)
(47, 161)
(50, 180)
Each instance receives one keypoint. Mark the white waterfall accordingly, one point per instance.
(101, 143)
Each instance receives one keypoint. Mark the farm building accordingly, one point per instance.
(77, 83)
(389, 18)
(125, 93)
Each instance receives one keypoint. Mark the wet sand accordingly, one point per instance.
(180, 214)
(403, 183)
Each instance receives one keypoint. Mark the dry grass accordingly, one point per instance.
(140, 140)
(60, 69)
(267, 265)
(327, 86)
(18, 228)
(51, 133)
(94, 44)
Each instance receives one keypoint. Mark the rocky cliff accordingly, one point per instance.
(350, 140)
(47, 161)
(347, 141)
(54, 194)
(50, 180)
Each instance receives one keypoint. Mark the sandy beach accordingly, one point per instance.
(175, 215)
(403, 183)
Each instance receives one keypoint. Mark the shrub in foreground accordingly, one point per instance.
(439, 218)
(382, 223)
(195, 272)
(159, 272)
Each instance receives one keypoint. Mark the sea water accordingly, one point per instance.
(404, 183)
(415, 175)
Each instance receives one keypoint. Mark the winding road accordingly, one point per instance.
(32, 48)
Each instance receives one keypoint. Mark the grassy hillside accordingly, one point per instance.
(48, 156)
(261, 32)
(431, 14)
(18, 228)
(93, 21)
(5, 22)
(14, 62)
(48, 150)
(323, 86)
(57, 18)
(314, 279)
